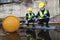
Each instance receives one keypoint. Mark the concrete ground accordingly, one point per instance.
(19, 35)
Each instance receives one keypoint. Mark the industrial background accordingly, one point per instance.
(19, 8)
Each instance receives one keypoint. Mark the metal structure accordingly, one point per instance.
(42, 28)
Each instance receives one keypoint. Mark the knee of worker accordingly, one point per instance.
(33, 20)
(47, 19)
(27, 24)
(40, 22)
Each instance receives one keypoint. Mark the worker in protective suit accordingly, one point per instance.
(30, 17)
(43, 16)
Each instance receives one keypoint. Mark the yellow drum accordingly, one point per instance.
(11, 24)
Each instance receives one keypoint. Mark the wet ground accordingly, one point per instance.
(19, 35)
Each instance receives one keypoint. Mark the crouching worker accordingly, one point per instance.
(30, 17)
(43, 17)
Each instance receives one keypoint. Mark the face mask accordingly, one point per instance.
(42, 9)
(30, 12)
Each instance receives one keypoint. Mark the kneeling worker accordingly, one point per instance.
(30, 17)
(43, 17)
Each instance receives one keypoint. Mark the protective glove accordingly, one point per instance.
(34, 18)
(44, 15)
(26, 22)
(47, 17)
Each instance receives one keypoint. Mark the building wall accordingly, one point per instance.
(20, 10)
